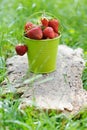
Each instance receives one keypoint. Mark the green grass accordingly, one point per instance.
(13, 15)
(11, 118)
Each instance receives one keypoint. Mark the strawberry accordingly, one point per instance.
(48, 32)
(54, 24)
(28, 26)
(35, 33)
(44, 21)
(21, 49)
(57, 34)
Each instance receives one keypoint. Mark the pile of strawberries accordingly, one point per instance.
(48, 29)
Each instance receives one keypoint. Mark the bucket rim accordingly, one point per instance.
(42, 39)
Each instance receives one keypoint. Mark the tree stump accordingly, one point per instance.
(60, 90)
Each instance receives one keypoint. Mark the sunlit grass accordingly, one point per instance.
(30, 119)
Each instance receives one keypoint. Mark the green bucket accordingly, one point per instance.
(42, 54)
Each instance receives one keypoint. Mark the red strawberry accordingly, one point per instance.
(48, 32)
(44, 21)
(54, 24)
(21, 49)
(35, 33)
(57, 34)
(28, 26)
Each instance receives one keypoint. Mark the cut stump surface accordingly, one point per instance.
(59, 90)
